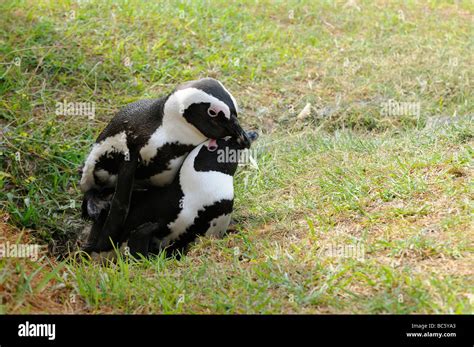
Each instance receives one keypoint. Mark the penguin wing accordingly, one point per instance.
(139, 120)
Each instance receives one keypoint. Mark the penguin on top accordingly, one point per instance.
(145, 145)
(198, 202)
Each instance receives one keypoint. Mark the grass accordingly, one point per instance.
(396, 188)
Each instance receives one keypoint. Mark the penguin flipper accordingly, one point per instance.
(120, 204)
(140, 238)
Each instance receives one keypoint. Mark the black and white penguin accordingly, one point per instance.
(146, 143)
(199, 202)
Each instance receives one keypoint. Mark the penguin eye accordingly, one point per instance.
(211, 112)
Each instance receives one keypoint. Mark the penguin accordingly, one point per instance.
(199, 202)
(145, 144)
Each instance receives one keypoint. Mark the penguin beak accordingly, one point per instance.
(243, 140)
(239, 133)
(252, 135)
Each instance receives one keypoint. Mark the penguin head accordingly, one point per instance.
(210, 108)
(221, 155)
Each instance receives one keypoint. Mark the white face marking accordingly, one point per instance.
(175, 127)
(231, 97)
(188, 96)
(200, 189)
(116, 143)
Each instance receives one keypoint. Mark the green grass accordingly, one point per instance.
(399, 185)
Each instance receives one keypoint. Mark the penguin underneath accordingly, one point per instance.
(146, 143)
(199, 202)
